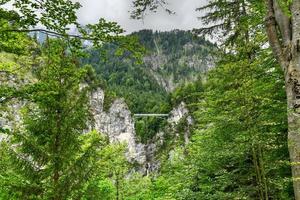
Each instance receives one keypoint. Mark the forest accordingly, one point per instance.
(89, 111)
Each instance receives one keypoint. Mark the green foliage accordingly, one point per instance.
(58, 16)
(241, 131)
(108, 182)
(109, 99)
(103, 189)
(54, 15)
(178, 54)
(239, 26)
(285, 6)
(190, 93)
(48, 162)
(48, 156)
(138, 187)
(15, 73)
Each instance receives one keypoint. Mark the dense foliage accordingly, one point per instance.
(238, 148)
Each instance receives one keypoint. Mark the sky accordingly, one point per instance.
(118, 11)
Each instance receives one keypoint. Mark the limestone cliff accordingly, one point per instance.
(179, 115)
(118, 124)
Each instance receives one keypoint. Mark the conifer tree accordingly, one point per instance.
(50, 156)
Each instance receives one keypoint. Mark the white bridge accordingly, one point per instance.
(151, 115)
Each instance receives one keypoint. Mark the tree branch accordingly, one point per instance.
(284, 23)
(273, 36)
(62, 35)
(49, 32)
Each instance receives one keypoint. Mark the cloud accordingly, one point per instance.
(118, 11)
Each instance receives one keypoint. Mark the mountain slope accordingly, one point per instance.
(176, 57)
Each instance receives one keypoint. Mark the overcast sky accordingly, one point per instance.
(118, 11)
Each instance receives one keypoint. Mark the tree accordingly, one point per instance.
(112, 168)
(56, 18)
(282, 25)
(238, 146)
(237, 125)
(50, 157)
(142, 6)
(116, 166)
(283, 30)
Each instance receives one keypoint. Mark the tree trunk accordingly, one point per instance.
(257, 173)
(284, 38)
(263, 173)
(293, 99)
(117, 186)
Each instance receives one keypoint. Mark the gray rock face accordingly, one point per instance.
(118, 125)
(10, 116)
(177, 114)
(162, 66)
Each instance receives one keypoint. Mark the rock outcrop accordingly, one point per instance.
(10, 116)
(117, 123)
(179, 114)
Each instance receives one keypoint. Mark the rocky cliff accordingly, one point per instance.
(118, 124)
(12, 75)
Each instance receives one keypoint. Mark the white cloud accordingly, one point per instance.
(118, 11)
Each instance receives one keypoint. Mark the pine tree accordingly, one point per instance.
(49, 156)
